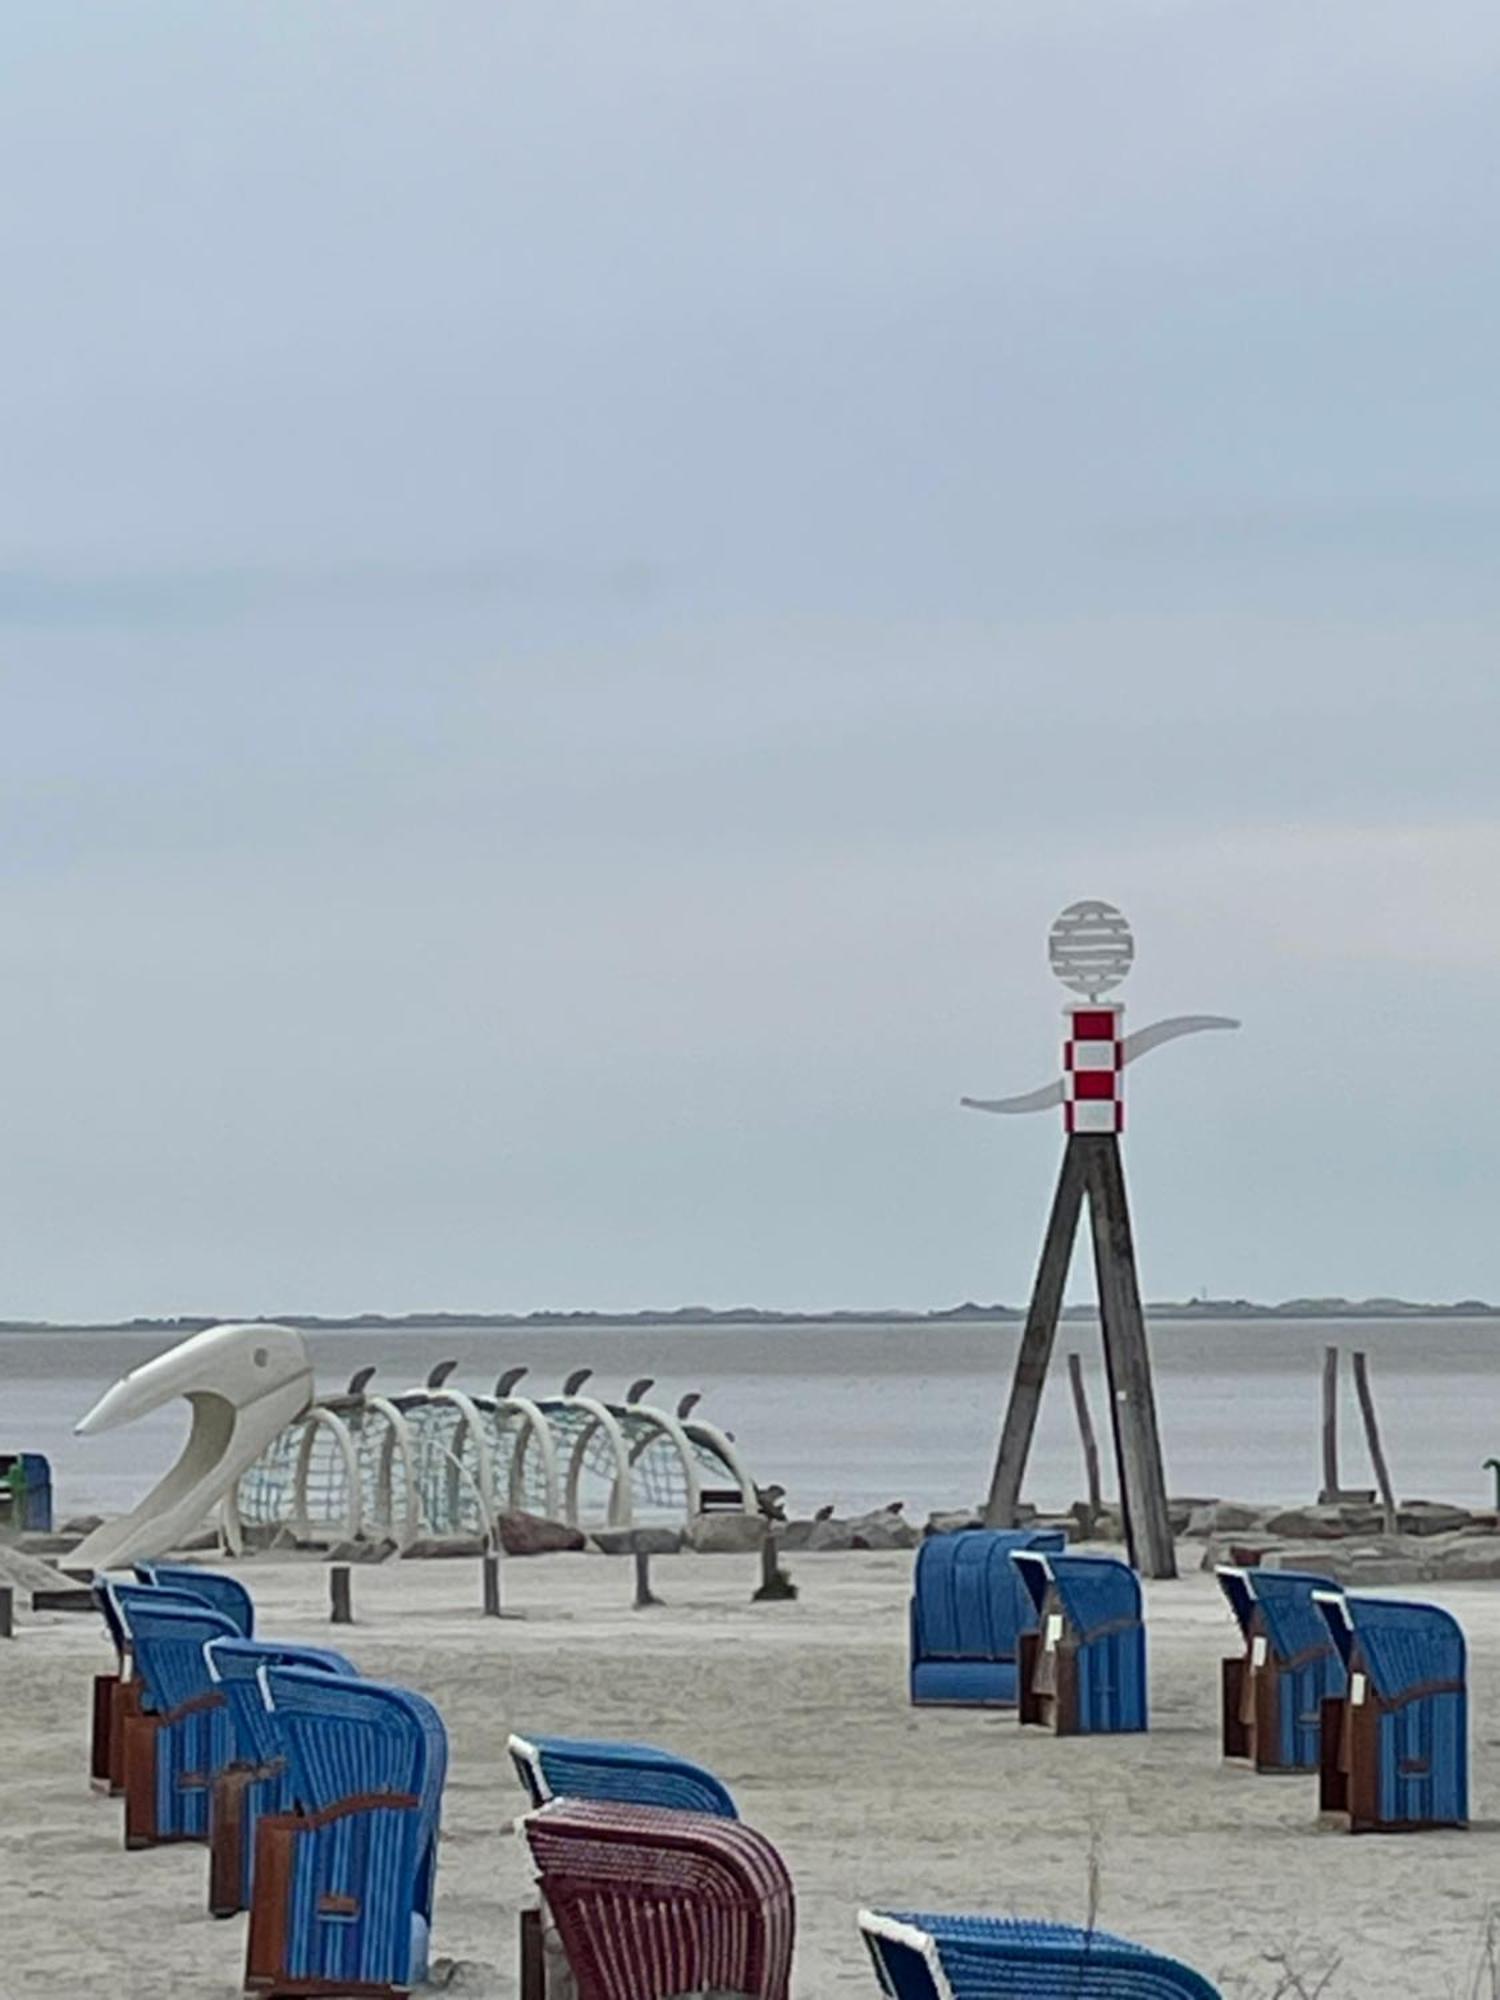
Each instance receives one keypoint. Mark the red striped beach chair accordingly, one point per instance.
(652, 1903)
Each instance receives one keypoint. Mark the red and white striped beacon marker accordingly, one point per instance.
(1091, 950)
(1094, 1070)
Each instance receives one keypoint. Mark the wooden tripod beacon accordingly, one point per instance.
(1091, 951)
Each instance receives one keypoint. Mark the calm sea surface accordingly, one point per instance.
(861, 1415)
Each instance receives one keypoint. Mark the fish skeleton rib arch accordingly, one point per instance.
(598, 1419)
(701, 1432)
(657, 1423)
(438, 1449)
(400, 1521)
(303, 1525)
(533, 1442)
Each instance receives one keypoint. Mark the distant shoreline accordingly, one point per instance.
(708, 1317)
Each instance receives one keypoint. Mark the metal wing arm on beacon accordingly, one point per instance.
(1139, 1044)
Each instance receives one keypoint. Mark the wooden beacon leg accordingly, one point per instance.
(1036, 1344)
(1143, 1486)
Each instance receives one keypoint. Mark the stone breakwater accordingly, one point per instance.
(1349, 1543)
(1346, 1541)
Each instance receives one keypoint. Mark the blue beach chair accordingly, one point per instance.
(577, 1767)
(257, 1781)
(1083, 1671)
(1273, 1692)
(226, 1594)
(179, 1743)
(969, 1611)
(926, 1957)
(115, 1696)
(120, 1697)
(1396, 1743)
(343, 1888)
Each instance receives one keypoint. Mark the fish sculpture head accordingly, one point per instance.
(238, 1364)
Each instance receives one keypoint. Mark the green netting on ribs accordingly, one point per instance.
(598, 1468)
(382, 1472)
(445, 1468)
(264, 1494)
(658, 1479)
(518, 1461)
(325, 1485)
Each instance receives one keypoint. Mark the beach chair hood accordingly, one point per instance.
(629, 1773)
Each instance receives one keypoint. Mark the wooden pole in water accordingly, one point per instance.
(7, 1612)
(340, 1595)
(1090, 1442)
(1372, 1438)
(1331, 1487)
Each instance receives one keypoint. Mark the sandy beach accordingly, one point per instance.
(802, 1709)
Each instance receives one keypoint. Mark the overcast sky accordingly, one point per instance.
(578, 583)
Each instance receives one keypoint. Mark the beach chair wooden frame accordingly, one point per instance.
(114, 1696)
(1272, 1693)
(1395, 1743)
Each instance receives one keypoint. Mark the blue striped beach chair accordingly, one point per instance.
(343, 1888)
(577, 1767)
(257, 1781)
(969, 1612)
(1083, 1671)
(1396, 1743)
(226, 1594)
(1273, 1692)
(115, 1696)
(927, 1957)
(121, 1696)
(180, 1741)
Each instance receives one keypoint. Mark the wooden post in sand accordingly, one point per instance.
(1330, 1494)
(340, 1595)
(491, 1586)
(1090, 1442)
(1372, 1439)
(7, 1612)
(533, 1961)
(644, 1596)
(776, 1587)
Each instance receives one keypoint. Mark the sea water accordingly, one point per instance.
(855, 1416)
